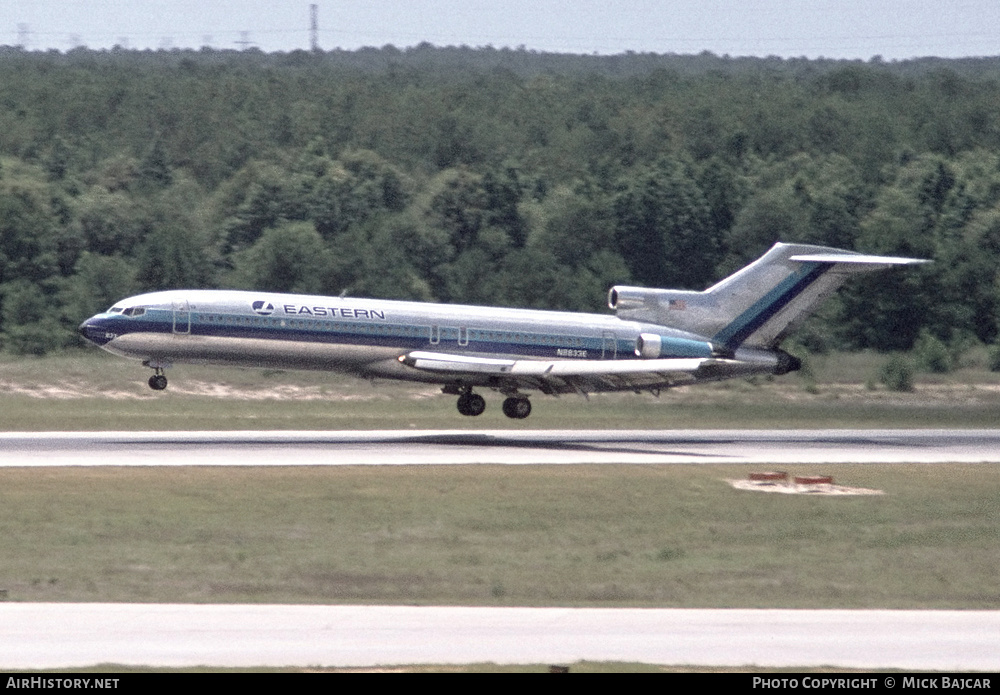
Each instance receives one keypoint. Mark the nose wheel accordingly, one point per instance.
(471, 404)
(517, 407)
(158, 381)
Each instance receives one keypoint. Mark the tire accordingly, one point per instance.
(517, 408)
(471, 404)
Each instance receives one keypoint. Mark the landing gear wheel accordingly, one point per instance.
(517, 408)
(157, 382)
(471, 404)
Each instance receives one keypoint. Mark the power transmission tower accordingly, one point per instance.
(23, 35)
(244, 41)
(314, 27)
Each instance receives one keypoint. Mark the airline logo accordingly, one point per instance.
(334, 312)
(263, 308)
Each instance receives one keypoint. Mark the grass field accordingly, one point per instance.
(89, 390)
(493, 535)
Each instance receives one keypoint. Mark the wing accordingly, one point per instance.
(584, 376)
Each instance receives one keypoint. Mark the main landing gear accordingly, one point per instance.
(472, 404)
(517, 407)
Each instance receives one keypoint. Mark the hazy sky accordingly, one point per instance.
(894, 29)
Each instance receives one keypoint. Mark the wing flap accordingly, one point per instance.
(444, 362)
(574, 375)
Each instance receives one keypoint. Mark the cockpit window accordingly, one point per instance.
(134, 311)
(115, 310)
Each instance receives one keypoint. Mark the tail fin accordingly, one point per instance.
(757, 306)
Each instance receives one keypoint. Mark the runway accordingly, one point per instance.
(64, 635)
(514, 447)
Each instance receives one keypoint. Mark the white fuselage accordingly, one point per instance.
(364, 337)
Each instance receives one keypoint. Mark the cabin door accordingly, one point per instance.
(182, 318)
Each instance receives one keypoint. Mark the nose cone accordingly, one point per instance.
(94, 332)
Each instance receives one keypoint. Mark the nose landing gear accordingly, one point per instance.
(158, 381)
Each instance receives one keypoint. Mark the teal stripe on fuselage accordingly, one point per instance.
(590, 342)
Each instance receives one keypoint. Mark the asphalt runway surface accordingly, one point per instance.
(47, 635)
(402, 447)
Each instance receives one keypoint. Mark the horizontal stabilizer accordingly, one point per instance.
(859, 258)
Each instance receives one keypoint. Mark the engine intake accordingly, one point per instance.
(629, 298)
(648, 346)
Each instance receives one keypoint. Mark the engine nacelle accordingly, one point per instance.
(648, 346)
(630, 298)
(681, 309)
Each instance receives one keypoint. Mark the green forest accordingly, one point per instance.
(495, 177)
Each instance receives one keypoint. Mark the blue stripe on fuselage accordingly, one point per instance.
(747, 323)
(405, 336)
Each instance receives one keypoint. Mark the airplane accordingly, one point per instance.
(656, 339)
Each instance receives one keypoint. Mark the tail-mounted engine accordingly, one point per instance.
(681, 309)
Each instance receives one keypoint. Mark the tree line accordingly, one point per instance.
(493, 177)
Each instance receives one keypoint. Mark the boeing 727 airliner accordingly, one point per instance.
(656, 339)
